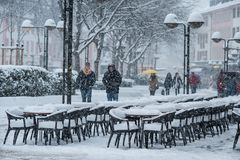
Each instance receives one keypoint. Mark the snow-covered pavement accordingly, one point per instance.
(212, 148)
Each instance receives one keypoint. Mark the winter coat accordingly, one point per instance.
(231, 86)
(177, 81)
(194, 80)
(220, 83)
(153, 84)
(168, 81)
(86, 81)
(112, 81)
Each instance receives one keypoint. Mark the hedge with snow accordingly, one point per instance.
(29, 81)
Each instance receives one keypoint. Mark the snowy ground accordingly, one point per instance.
(213, 148)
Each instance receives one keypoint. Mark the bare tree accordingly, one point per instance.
(131, 25)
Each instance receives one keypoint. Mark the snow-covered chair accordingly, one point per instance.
(51, 124)
(236, 117)
(119, 125)
(159, 126)
(95, 119)
(75, 120)
(18, 123)
(179, 125)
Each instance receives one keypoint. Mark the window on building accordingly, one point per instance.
(234, 12)
(233, 32)
(201, 55)
(202, 40)
(237, 30)
(206, 21)
(206, 38)
(238, 11)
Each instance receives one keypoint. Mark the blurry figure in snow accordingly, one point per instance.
(153, 84)
(177, 82)
(112, 79)
(220, 82)
(163, 92)
(86, 79)
(230, 84)
(168, 83)
(194, 81)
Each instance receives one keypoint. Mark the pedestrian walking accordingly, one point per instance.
(153, 84)
(230, 83)
(86, 80)
(112, 80)
(194, 81)
(220, 84)
(177, 82)
(168, 83)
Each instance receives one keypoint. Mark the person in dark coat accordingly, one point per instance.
(220, 84)
(177, 82)
(86, 79)
(168, 83)
(230, 83)
(194, 81)
(112, 79)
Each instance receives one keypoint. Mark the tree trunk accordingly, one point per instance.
(114, 58)
(99, 53)
(78, 35)
(121, 68)
(99, 42)
(128, 70)
(77, 62)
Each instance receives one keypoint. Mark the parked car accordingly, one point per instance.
(127, 82)
(99, 85)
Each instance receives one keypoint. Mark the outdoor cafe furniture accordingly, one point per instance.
(121, 125)
(73, 123)
(50, 125)
(96, 119)
(162, 107)
(210, 97)
(139, 114)
(236, 117)
(83, 104)
(159, 126)
(18, 123)
(198, 98)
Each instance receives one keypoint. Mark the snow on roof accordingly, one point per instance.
(221, 6)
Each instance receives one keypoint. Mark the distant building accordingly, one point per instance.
(224, 18)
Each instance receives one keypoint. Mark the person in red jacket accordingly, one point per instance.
(220, 84)
(194, 81)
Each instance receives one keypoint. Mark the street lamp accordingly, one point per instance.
(48, 25)
(217, 37)
(156, 57)
(195, 21)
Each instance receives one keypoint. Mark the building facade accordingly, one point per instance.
(223, 18)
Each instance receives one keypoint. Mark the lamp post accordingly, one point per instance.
(49, 25)
(217, 37)
(195, 20)
(155, 61)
